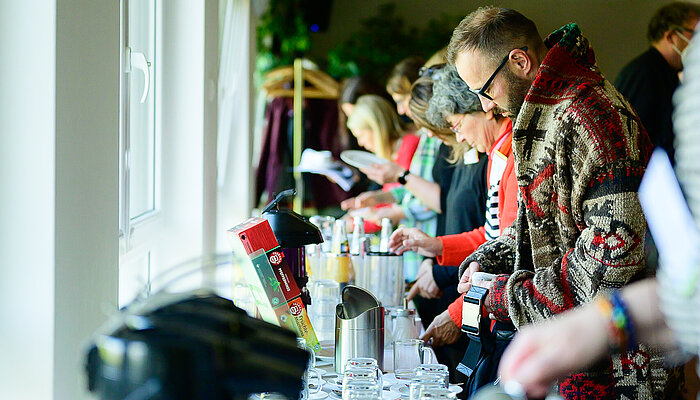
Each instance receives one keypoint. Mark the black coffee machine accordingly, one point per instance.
(191, 346)
(293, 232)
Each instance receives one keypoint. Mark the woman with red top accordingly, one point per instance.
(489, 133)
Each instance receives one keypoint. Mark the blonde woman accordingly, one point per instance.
(376, 126)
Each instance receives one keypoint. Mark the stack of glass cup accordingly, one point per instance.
(325, 295)
(428, 378)
(362, 379)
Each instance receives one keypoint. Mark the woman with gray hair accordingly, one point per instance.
(453, 105)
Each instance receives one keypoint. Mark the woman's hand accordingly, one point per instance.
(465, 281)
(367, 199)
(545, 352)
(413, 239)
(388, 172)
(442, 330)
(394, 213)
(425, 284)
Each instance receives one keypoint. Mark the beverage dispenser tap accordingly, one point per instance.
(292, 232)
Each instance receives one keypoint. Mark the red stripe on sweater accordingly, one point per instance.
(556, 309)
(568, 296)
(529, 189)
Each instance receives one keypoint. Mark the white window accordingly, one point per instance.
(137, 107)
(139, 140)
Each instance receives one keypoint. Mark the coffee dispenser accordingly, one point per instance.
(293, 232)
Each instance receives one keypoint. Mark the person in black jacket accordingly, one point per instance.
(648, 81)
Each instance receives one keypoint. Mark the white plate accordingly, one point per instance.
(318, 395)
(389, 395)
(361, 159)
(389, 379)
(334, 384)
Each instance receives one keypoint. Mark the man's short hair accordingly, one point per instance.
(671, 16)
(493, 31)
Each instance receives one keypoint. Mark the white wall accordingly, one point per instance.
(59, 175)
(27, 142)
(58, 208)
(616, 28)
(86, 258)
(210, 74)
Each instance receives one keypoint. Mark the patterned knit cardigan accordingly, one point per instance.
(580, 152)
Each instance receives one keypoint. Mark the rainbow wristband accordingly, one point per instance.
(620, 325)
(621, 313)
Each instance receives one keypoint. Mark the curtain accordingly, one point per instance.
(234, 75)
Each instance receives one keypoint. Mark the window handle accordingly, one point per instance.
(138, 61)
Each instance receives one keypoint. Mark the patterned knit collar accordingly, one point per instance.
(569, 63)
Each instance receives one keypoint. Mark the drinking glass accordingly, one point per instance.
(417, 387)
(434, 370)
(362, 374)
(362, 362)
(439, 376)
(243, 298)
(325, 295)
(437, 394)
(408, 354)
(365, 362)
(360, 388)
(301, 343)
(325, 225)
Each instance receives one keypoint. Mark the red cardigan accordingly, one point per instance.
(455, 248)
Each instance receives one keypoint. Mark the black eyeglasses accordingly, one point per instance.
(482, 92)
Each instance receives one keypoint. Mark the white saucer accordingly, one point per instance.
(389, 379)
(361, 159)
(318, 395)
(334, 384)
(334, 395)
(402, 390)
(389, 395)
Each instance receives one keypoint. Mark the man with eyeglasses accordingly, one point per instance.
(580, 152)
(648, 81)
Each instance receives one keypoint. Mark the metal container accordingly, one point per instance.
(382, 274)
(403, 324)
(359, 327)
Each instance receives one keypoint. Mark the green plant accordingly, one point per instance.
(384, 40)
(282, 35)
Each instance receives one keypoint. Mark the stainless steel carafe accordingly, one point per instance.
(359, 327)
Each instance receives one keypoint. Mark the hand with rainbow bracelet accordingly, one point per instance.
(544, 352)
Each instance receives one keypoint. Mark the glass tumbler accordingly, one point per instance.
(409, 354)
(361, 388)
(434, 370)
(362, 374)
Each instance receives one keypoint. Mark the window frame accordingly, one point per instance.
(127, 224)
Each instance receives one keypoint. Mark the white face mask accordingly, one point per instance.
(684, 53)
